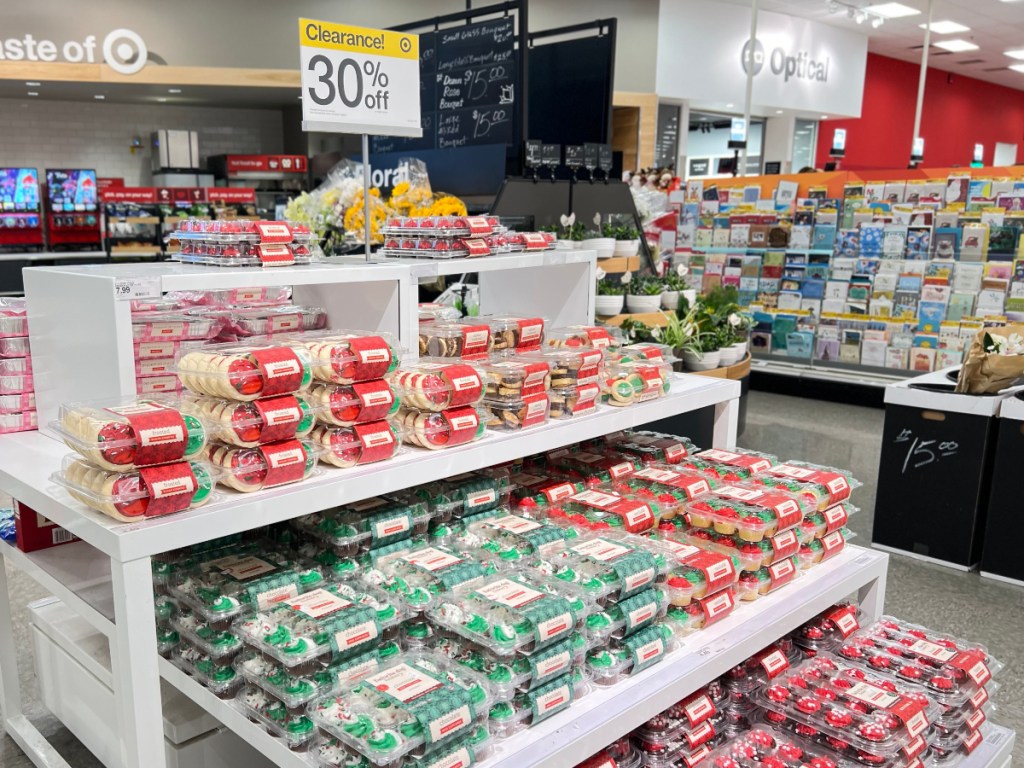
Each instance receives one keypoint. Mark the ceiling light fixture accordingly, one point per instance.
(833, 6)
(859, 17)
(956, 45)
(99, 96)
(1016, 67)
(729, 106)
(879, 21)
(779, 111)
(161, 98)
(33, 84)
(893, 10)
(1017, 53)
(174, 90)
(945, 27)
(824, 117)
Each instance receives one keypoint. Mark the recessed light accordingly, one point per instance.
(729, 106)
(174, 90)
(1017, 53)
(99, 96)
(161, 98)
(893, 10)
(33, 93)
(824, 117)
(945, 27)
(703, 119)
(33, 84)
(779, 111)
(1016, 67)
(956, 45)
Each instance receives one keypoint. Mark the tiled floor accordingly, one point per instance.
(840, 435)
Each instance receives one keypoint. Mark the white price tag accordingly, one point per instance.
(359, 80)
(137, 288)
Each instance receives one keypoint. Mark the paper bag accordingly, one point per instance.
(983, 372)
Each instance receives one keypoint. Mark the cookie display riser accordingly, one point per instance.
(81, 330)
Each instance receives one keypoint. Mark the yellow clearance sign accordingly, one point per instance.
(359, 80)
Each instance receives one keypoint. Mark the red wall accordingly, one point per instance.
(956, 116)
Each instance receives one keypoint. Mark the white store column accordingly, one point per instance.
(777, 147)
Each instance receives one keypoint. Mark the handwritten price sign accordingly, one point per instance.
(359, 80)
(921, 453)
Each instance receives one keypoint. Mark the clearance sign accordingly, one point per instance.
(359, 80)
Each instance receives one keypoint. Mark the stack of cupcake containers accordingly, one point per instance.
(742, 682)
(701, 585)
(826, 491)
(245, 243)
(684, 734)
(956, 674)
(439, 402)
(134, 459)
(826, 632)
(351, 397)
(254, 396)
(17, 387)
(214, 591)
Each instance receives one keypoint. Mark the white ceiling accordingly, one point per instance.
(996, 26)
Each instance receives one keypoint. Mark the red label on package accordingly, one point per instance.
(774, 664)
(718, 570)
(979, 698)
(170, 487)
(531, 331)
(600, 760)
(375, 399)
(915, 747)
(700, 735)
(754, 463)
(368, 356)
(637, 517)
(477, 247)
(377, 439)
(274, 232)
(652, 380)
(717, 606)
(781, 573)
(286, 462)
(555, 493)
(835, 518)
(463, 424)
(971, 742)
(837, 486)
(534, 241)
(476, 340)
(845, 620)
(697, 756)
(832, 544)
(911, 713)
(698, 708)
(973, 663)
(535, 376)
(280, 415)
(155, 349)
(478, 225)
(784, 544)
(975, 720)
(586, 398)
(281, 368)
(275, 255)
(465, 383)
(279, 322)
(536, 409)
(590, 366)
(620, 470)
(599, 337)
(160, 434)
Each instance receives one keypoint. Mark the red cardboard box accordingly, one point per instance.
(34, 532)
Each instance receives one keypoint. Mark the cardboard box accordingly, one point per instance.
(34, 532)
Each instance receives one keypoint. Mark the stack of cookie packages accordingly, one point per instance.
(17, 387)
(353, 396)
(256, 392)
(574, 379)
(439, 402)
(516, 393)
(465, 339)
(134, 459)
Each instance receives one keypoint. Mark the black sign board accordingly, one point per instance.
(604, 157)
(574, 154)
(699, 166)
(772, 169)
(591, 155)
(533, 154)
(551, 155)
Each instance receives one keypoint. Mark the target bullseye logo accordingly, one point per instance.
(405, 44)
(124, 51)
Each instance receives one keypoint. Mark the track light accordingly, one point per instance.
(879, 21)
(851, 12)
(833, 6)
(860, 16)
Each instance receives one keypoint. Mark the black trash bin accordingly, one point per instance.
(1001, 556)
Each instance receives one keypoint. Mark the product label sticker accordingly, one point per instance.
(680, 550)
(376, 399)
(971, 742)
(357, 672)
(449, 723)
(932, 651)
(589, 366)
(652, 381)
(554, 627)
(845, 620)
(719, 571)
(835, 518)
(280, 416)
(476, 247)
(974, 664)
(599, 338)
(167, 330)
(911, 713)
(640, 616)
(552, 666)
(170, 488)
(404, 682)
(431, 559)
(478, 225)
(774, 664)
(511, 593)
(699, 735)
(556, 493)
(275, 255)
(280, 322)
(481, 499)
(463, 424)
(515, 524)
(460, 758)
(873, 695)
(476, 340)
(552, 701)
(601, 550)
(979, 698)
(586, 398)
(319, 603)
(530, 332)
(675, 453)
(285, 461)
(357, 635)
(976, 719)
(372, 358)
(377, 440)
(755, 464)
(466, 384)
(274, 232)
(699, 709)
(281, 368)
(391, 526)
(637, 516)
(664, 476)
(618, 471)
(154, 367)
(915, 747)
(697, 757)
(717, 606)
(634, 581)
(748, 495)
(832, 544)
(160, 433)
(245, 568)
(534, 377)
(784, 544)
(790, 471)
(266, 600)
(646, 654)
(534, 241)
(536, 409)
(781, 572)
(155, 349)
(596, 499)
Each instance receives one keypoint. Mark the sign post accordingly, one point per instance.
(359, 80)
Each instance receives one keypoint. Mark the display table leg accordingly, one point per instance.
(871, 596)
(134, 658)
(727, 416)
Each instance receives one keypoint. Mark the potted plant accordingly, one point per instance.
(707, 354)
(570, 234)
(729, 354)
(740, 322)
(627, 240)
(594, 240)
(675, 281)
(680, 333)
(611, 293)
(644, 295)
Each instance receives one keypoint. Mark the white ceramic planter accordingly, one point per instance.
(741, 350)
(607, 306)
(567, 245)
(627, 248)
(670, 300)
(691, 295)
(637, 303)
(702, 362)
(728, 356)
(605, 246)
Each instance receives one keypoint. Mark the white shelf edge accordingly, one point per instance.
(609, 713)
(28, 459)
(429, 268)
(995, 751)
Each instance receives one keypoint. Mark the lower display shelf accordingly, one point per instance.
(996, 751)
(609, 713)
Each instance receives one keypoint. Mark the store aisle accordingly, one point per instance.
(964, 604)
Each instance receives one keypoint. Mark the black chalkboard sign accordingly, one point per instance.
(604, 157)
(668, 136)
(551, 155)
(533, 153)
(469, 78)
(591, 155)
(574, 154)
